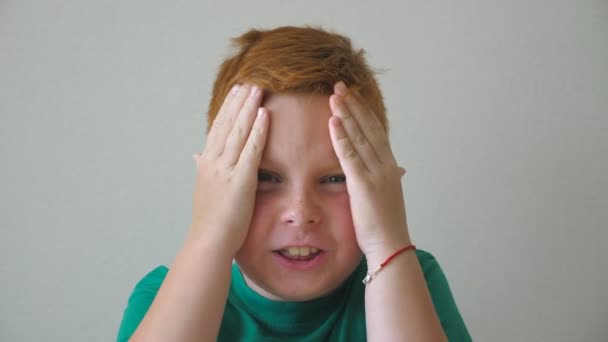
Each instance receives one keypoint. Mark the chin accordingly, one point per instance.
(281, 285)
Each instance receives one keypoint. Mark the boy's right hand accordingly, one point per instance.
(227, 170)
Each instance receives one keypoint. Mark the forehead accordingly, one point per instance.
(298, 128)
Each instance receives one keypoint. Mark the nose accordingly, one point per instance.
(301, 210)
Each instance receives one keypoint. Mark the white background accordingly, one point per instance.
(498, 111)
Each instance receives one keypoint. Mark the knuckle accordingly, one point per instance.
(342, 138)
(236, 132)
(377, 128)
(249, 108)
(218, 123)
(254, 148)
(360, 139)
(204, 156)
(350, 153)
(244, 91)
(346, 115)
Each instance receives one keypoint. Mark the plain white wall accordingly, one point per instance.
(498, 111)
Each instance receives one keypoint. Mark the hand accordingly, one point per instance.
(227, 170)
(373, 178)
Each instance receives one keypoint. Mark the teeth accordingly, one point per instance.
(300, 251)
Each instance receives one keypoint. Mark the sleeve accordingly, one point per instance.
(445, 305)
(140, 301)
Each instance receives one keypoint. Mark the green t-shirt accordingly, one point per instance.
(339, 316)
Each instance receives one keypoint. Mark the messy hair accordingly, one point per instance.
(300, 60)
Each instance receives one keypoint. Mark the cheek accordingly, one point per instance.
(344, 229)
(262, 209)
(338, 207)
(342, 202)
(259, 228)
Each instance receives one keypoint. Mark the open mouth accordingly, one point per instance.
(299, 253)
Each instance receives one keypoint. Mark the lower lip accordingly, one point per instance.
(299, 265)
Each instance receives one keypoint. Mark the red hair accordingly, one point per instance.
(296, 60)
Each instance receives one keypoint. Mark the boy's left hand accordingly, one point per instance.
(373, 178)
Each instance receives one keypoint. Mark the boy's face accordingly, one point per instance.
(301, 207)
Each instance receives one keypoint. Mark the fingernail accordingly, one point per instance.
(336, 122)
(234, 89)
(255, 90)
(337, 100)
(341, 88)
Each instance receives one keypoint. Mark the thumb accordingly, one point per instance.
(196, 158)
(402, 171)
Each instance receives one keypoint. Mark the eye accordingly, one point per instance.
(335, 179)
(265, 176)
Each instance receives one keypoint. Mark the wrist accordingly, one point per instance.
(378, 253)
(372, 273)
(220, 248)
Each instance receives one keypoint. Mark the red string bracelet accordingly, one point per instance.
(372, 274)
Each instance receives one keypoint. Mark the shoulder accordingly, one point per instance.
(435, 278)
(147, 287)
(425, 257)
(432, 270)
(443, 300)
(152, 281)
(140, 300)
(428, 263)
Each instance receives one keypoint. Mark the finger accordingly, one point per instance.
(197, 159)
(402, 171)
(347, 155)
(353, 131)
(251, 155)
(211, 145)
(223, 123)
(367, 120)
(242, 127)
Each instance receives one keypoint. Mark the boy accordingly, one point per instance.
(298, 185)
